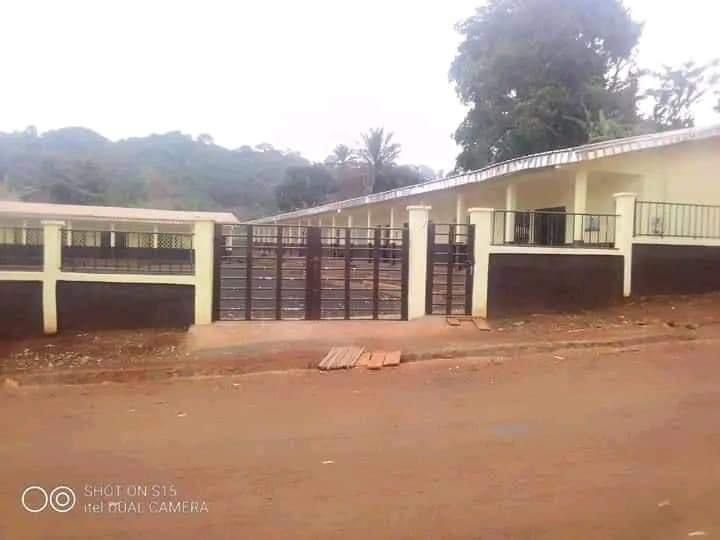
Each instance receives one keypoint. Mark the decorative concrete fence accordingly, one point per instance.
(52, 278)
(55, 278)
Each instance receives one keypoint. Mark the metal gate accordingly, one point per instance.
(286, 272)
(449, 269)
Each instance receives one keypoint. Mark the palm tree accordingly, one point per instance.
(378, 151)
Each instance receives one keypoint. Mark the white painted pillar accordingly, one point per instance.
(580, 204)
(460, 211)
(332, 221)
(624, 233)
(52, 261)
(24, 235)
(418, 219)
(112, 235)
(155, 240)
(68, 229)
(203, 243)
(482, 218)
(510, 204)
(369, 225)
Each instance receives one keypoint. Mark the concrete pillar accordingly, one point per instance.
(460, 211)
(510, 204)
(112, 235)
(332, 222)
(204, 260)
(580, 204)
(482, 218)
(369, 225)
(52, 261)
(156, 237)
(418, 218)
(24, 235)
(624, 233)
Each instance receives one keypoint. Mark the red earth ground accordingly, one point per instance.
(233, 348)
(598, 442)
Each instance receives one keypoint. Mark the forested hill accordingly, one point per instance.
(78, 166)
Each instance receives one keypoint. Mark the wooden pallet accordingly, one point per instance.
(349, 357)
(340, 358)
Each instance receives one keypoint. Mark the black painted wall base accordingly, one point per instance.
(523, 283)
(105, 306)
(20, 309)
(662, 269)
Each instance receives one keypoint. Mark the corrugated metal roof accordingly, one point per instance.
(76, 211)
(566, 156)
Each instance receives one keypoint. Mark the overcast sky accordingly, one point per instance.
(305, 75)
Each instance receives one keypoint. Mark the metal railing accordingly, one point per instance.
(127, 252)
(677, 220)
(553, 229)
(21, 248)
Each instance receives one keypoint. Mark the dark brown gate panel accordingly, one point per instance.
(288, 272)
(449, 269)
(262, 272)
(363, 273)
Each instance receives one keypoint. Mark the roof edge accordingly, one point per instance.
(565, 156)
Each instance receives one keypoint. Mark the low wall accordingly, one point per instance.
(535, 283)
(101, 306)
(21, 312)
(675, 269)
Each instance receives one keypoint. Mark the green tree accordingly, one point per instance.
(537, 74)
(378, 151)
(342, 155)
(679, 90)
(304, 187)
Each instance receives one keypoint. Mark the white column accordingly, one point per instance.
(112, 235)
(369, 225)
(510, 204)
(155, 237)
(52, 260)
(23, 238)
(418, 218)
(203, 243)
(482, 219)
(460, 212)
(580, 204)
(68, 229)
(624, 232)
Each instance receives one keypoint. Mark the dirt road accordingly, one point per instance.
(581, 444)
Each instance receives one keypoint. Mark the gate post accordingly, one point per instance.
(482, 219)
(204, 244)
(418, 218)
(624, 233)
(312, 273)
(52, 263)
